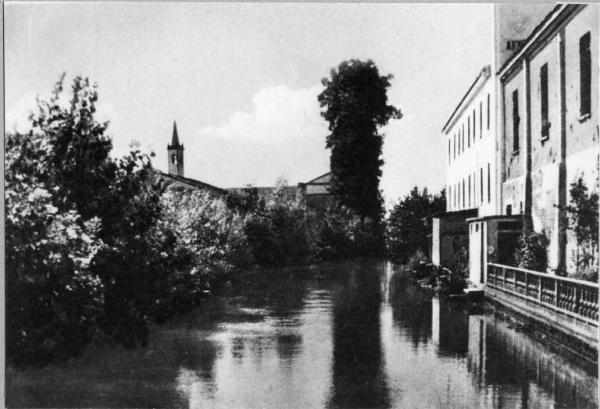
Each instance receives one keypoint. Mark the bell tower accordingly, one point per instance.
(175, 154)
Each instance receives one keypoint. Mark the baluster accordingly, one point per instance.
(555, 292)
(539, 288)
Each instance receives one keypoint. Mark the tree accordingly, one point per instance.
(407, 225)
(583, 222)
(356, 106)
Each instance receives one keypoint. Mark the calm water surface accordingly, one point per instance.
(353, 336)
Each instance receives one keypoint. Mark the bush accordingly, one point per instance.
(274, 225)
(207, 242)
(532, 250)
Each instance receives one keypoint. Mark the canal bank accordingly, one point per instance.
(560, 309)
(348, 335)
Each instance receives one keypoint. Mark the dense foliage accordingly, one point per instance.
(275, 225)
(356, 106)
(96, 245)
(583, 222)
(532, 249)
(337, 234)
(408, 223)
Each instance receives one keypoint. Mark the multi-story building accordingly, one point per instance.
(549, 129)
(470, 154)
(473, 225)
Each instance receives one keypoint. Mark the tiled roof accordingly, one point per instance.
(194, 183)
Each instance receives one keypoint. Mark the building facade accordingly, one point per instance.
(550, 137)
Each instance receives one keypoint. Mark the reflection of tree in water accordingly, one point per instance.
(513, 359)
(359, 380)
(288, 346)
(280, 291)
(411, 309)
(198, 356)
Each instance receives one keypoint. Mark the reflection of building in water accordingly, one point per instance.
(449, 327)
(506, 365)
(475, 363)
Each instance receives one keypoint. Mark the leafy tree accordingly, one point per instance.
(53, 298)
(246, 202)
(407, 225)
(356, 106)
(78, 156)
(583, 222)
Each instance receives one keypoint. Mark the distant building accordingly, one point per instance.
(316, 192)
(175, 176)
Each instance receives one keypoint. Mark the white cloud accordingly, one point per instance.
(17, 116)
(283, 135)
(281, 115)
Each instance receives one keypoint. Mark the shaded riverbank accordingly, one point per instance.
(345, 335)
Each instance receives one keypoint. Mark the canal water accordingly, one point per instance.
(350, 336)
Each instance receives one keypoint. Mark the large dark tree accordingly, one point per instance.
(356, 106)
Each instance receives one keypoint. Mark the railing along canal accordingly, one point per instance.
(575, 298)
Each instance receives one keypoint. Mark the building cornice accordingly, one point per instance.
(549, 25)
(473, 90)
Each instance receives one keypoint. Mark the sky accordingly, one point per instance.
(242, 79)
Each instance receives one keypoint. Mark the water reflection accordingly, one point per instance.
(353, 335)
(525, 369)
(359, 379)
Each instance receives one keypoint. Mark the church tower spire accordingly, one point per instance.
(175, 154)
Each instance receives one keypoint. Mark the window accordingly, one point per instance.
(508, 210)
(481, 185)
(515, 119)
(585, 75)
(480, 119)
(489, 192)
(454, 148)
(488, 111)
(474, 126)
(469, 190)
(463, 193)
(174, 159)
(463, 137)
(544, 101)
